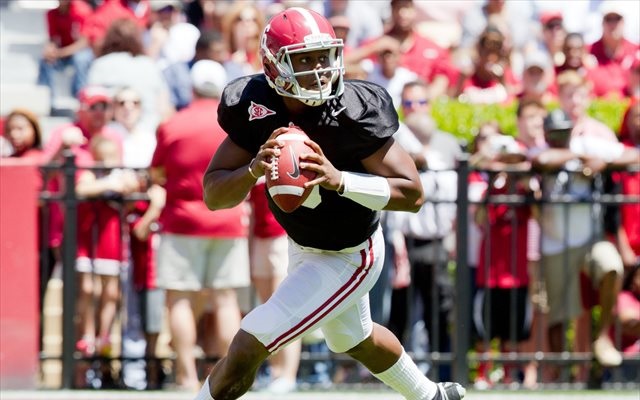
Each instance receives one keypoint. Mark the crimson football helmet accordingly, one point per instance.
(298, 30)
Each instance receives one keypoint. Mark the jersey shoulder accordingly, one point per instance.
(240, 89)
(371, 106)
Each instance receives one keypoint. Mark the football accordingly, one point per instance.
(286, 181)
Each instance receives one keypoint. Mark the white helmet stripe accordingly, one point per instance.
(310, 21)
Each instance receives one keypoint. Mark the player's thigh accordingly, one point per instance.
(318, 288)
(350, 327)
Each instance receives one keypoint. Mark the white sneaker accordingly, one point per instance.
(281, 386)
(449, 391)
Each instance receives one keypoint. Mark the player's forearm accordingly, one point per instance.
(405, 195)
(225, 188)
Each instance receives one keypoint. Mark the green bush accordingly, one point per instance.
(463, 119)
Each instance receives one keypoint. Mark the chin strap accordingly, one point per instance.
(368, 190)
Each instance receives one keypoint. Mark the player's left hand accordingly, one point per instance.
(327, 176)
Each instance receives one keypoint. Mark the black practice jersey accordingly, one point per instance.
(348, 129)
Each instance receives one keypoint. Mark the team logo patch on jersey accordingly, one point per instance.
(258, 111)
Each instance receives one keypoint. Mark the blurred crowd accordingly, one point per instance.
(148, 74)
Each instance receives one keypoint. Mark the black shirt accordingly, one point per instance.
(348, 129)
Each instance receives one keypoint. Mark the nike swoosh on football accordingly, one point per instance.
(296, 170)
(336, 112)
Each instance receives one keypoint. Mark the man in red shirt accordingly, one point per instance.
(66, 47)
(614, 53)
(96, 26)
(419, 54)
(201, 252)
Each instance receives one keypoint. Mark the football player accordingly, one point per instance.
(336, 247)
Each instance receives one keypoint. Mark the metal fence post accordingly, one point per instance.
(69, 248)
(463, 316)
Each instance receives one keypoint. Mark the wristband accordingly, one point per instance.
(249, 168)
(368, 190)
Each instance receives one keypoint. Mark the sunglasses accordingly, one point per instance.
(409, 103)
(100, 106)
(123, 103)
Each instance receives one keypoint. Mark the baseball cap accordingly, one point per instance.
(612, 7)
(557, 120)
(208, 78)
(157, 5)
(548, 16)
(537, 59)
(90, 95)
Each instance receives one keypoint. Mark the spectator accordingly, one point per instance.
(614, 53)
(502, 277)
(573, 94)
(138, 142)
(122, 63)
(488, 79)
(515, 20)
(269, 261)
(66, 47)
(530, 136)
(201, 253)
(537, 78)
(94, 113)
(388, 73)
(150, 298)
(97, 24)
(530, 117)
(424, 235)
(571, 236)
(103, 257)
(576, 57)
(23, 135)
(241, 26)
(341, 25)
(171, 43)
(206, 15)
(146, 300)
(417, 53)
(553, 35)
(212, 46)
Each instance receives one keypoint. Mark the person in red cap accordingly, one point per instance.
(94, 112)
(553, 34)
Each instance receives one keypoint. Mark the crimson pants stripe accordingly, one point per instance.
(328, 305)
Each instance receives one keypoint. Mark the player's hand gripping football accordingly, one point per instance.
(261, 164)
(327, 175)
